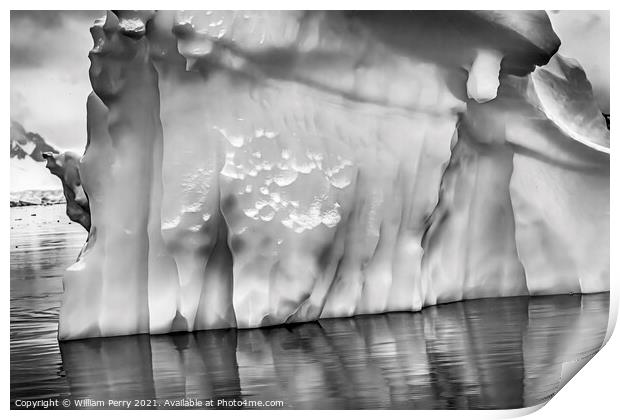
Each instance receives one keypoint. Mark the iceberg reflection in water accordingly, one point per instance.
(489, 353)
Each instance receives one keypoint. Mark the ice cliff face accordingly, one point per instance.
(255, 168)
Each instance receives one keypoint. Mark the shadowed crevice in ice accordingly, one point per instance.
(469, 247)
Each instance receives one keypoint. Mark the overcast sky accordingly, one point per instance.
(49, 67)
(49, 73)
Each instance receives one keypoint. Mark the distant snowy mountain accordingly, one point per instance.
(28, 144)
(31, 182)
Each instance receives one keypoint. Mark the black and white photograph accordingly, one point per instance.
(307, 209)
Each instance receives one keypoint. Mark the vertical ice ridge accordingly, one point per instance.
(430, 224)
(131, 133)
(559, 189)
(92, 259)
(192, 224)
(123, 268)
(470, 240)
(526, 290)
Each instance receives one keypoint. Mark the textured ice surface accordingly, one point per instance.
(255, 168)
(66, 167)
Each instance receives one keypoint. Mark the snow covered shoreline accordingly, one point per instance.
(37, 198)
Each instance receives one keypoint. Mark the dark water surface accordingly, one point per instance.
(487, 353)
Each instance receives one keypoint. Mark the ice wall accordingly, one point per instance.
(256, 168)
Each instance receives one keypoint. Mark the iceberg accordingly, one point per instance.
(65, 166)
(246, 169)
